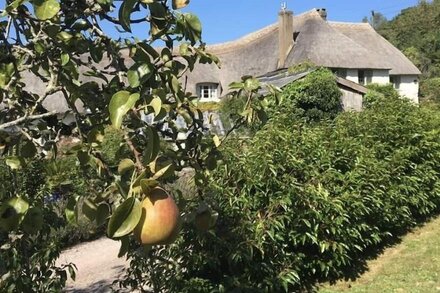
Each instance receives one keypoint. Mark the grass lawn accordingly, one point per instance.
(411, 266)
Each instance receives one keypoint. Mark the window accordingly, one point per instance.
(342, 73)
(395, 80)
(365, 77)
(208, 91)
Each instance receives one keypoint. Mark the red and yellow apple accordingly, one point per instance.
(160, 220)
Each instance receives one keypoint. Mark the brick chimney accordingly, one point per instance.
(285, 35)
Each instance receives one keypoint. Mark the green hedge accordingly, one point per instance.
(302, 203)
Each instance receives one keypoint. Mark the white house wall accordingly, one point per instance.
(381, 77)
(352, 75)
(409, 87)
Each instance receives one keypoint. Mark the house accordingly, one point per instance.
(352, 93)
(354, 51)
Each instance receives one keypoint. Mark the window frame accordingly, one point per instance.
(208, 91)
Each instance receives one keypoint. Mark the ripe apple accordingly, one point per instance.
(177, 4)
(160, 220)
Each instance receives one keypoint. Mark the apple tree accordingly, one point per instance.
(82, 57)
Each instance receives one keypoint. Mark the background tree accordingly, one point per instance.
(376, 20)
(412, 32)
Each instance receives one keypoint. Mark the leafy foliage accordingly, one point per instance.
(430, 89)
(59, 64)
(411, 31)
(315, 97)
(377, 92)
(301, 202)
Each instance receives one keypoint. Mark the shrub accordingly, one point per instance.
(316, 96)
(28, 260)
(430, 90)
(377, 92)
(302, 203)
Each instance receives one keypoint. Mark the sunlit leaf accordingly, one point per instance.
(156, 104)
(178, 4)
(125, 218)
(46, 9)
(14, 163)
(120, 104)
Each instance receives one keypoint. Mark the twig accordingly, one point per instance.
(136, 153)
(25, 119)
(76, 113)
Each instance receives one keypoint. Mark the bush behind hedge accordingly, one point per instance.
(304, 203)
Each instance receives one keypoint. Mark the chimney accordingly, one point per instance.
(322, 12)
(285, 35)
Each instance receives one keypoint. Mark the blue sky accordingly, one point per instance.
(225, 20)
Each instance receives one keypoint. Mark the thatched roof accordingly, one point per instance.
(328, 44)
(365, 35)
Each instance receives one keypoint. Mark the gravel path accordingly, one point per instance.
(98, 265)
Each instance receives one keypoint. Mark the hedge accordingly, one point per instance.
(301, 203)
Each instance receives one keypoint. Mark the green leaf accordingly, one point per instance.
(194, 25)
(102, 214)
(65, 58)
(71, 211)
(175, 84)
(46, 9)
(12, 213)
(33, 221)
(156, 103)
(89, 209)
(125, 218)
(133, 78)
(147, 185)
(153, 146)
(164, 172)
(138, 74)
(126, 165)
(178, 4)
(251, 84)
(236, 86)
(125, 11)
(120, 104)
(125, 244)
(6, 72)
(217, 141)
(15, 163)
(28, 150)
(184, 49)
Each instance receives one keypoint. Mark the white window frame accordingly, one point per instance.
(208, 91)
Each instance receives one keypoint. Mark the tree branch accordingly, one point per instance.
(25, 119)
(136, 153)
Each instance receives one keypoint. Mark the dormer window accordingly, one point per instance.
(208, 91)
